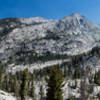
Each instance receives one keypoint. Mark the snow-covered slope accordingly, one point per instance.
(6, 96)
(16, 68)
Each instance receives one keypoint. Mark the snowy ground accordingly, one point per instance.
(6, 96)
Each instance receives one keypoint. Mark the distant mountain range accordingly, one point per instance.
(71, 35)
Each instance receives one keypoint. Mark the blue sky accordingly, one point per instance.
(51, 9)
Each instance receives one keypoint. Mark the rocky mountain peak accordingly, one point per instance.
(74, 22)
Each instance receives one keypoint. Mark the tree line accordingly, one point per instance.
(22, 84)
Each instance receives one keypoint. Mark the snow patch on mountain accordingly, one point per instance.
(14, 68)
(33, 20)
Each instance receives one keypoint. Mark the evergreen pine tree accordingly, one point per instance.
(0, 79)
(24, 85)
(6, 81)
(41, 93)
(16, 88)
(97, 78)
(32, 90)
(55, 84)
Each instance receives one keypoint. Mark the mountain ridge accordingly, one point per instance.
(71, 35)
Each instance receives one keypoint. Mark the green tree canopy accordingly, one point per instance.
(55, 84)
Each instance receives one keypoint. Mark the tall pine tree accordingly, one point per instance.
(24, 85)
(1, 79)
(32, 90)
(41, 92)
(55, 84)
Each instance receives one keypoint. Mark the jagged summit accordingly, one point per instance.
(75, 22)
(75, 15)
